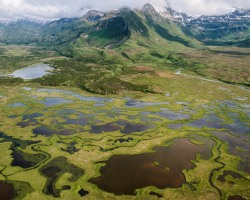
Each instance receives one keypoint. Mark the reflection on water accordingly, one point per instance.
(49, 131)
(53, 101)
(29, 120)
(32, 72)
(110, 127)
(141, 104)
(123, 126)
(98, 100)
(175, 126)
(81, 120)
(237, 127)
(16, 105)
(129, 127)
(27, 88)
(101, 115)
(170, 115)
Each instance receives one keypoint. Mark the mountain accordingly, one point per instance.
(104, 45)
(96, 28)
(167, 29)
(173, 15)
(113, 28)
(23, 31)
(93, 15)
(106, 28)
(229, 29)
(60, 32)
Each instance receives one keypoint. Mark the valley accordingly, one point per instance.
(122, 105)
(42, 123)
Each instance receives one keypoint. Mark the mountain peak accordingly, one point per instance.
(23, 20)
(125, 8)
(93, 15)
(148, 9)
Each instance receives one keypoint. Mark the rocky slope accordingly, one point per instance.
(229, 29)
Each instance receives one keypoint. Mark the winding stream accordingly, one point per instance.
(178, 72)
(216, 170)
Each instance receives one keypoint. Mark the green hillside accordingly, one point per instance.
(101, 47)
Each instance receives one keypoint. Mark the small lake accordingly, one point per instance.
(32, 72)
(123, 174)
(53, 101)
(98, 100)
(142, 104)
(15, 105)
(7, 191)
(49, 130)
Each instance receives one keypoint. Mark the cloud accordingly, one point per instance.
(53, 9)
(208, 7)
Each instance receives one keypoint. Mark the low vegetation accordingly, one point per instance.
(124, 94)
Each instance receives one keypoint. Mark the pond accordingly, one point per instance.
(171, 115)
(129, 127)
(222, 178)
(53, 170)
(175, 126)
(29, 120)
(25, 160)
(16, 105)
(238, 146)
(7, 191)
(53, 101)
(238, 127)
(142, 104)
(49, 131)
(35, 71)
(109, 127)
(81, 120)
(123, 174)
(98, 100)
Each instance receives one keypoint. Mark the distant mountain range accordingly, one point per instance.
(113, 28)
(228, 29)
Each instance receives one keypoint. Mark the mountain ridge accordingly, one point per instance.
(115, 42)
(230, 29)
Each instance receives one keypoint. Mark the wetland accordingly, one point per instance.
(82, 145)
(124, 105)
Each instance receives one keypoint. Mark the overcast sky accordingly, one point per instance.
(53, 9)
